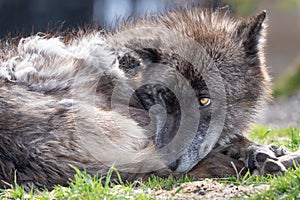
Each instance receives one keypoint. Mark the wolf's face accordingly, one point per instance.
(201, 94)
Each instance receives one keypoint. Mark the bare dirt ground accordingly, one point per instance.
(206, 189)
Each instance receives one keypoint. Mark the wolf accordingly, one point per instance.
(165, 94)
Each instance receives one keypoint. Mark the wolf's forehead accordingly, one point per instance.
(198, 21)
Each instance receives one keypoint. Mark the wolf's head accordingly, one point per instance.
(199, 74)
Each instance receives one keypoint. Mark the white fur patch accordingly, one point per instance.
(46, 64)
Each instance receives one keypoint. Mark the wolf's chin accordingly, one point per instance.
(183, 167)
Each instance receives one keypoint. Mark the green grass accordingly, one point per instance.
(155, 182)
(289, 137)
(283, 187)
(85, 186)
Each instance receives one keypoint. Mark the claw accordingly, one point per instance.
(279, 151)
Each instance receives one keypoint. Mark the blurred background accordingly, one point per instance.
(283, 43)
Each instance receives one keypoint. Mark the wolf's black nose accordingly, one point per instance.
(173, 165)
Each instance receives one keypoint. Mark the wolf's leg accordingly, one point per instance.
(291, 160)
(217, 164)
(237, 159)
(260, 159)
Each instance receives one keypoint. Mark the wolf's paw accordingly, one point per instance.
(263, 160)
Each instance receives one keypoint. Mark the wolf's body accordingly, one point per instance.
(95, 100)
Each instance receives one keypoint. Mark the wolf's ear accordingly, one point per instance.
(251, 33)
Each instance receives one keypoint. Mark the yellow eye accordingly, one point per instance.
(204, 102)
